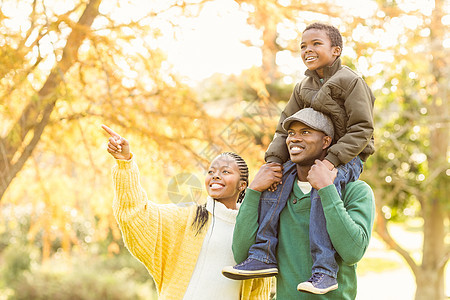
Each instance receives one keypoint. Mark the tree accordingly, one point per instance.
(410, 168)
(17, 145)
(104, 66)
(81, 55)
(60, 79)
(266, 16)
(399, 48)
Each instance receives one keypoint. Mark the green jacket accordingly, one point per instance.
(349, 225)
(346, 98)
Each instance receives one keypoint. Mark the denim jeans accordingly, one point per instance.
(270, 206)
(272, 203)
(322, 250)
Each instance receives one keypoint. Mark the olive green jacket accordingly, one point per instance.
(345, 97)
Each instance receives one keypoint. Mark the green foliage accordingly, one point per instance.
(88, 276)
(12, 227)
(400, 166)
(124, 261)
(15, 261)
(84, 278)
(61, 199)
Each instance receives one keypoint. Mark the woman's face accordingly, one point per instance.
(223, 179)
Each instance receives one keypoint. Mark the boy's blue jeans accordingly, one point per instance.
(272, 203)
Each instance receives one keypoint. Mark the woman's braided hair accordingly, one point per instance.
(201, 215)
(243, 169)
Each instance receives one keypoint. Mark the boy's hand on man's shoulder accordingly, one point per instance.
(319, 176)
(268, 177)
(328, 164)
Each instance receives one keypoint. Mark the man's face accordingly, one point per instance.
(306, 144)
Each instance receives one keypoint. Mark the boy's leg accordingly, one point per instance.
(348, 173)
(322, 250)
(325, 267)
(261, 261)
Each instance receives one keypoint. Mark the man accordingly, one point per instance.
(349, 219)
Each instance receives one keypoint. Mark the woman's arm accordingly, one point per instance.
(149, 230)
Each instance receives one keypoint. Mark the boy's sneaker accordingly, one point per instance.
(250, 268)
(319, 283)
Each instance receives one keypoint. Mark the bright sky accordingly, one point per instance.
(211, 43)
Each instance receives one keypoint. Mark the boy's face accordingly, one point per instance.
(316, 50)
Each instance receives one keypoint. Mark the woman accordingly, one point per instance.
(184, 248)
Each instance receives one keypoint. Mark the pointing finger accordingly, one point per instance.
(111, 132)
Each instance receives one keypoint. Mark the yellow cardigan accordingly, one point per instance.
(162, 238)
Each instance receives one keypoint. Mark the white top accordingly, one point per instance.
(305, 186)
(207, 281)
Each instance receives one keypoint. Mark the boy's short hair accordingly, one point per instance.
(332, 32)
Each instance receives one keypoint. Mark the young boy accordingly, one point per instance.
(344, 96)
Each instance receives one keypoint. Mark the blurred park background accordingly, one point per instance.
(183, 81)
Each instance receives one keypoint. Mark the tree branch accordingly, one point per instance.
(444, 259)
(382, 230)
(36, 114)
(30, 30)
(23, 77)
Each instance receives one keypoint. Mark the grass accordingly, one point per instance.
(377, 265)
